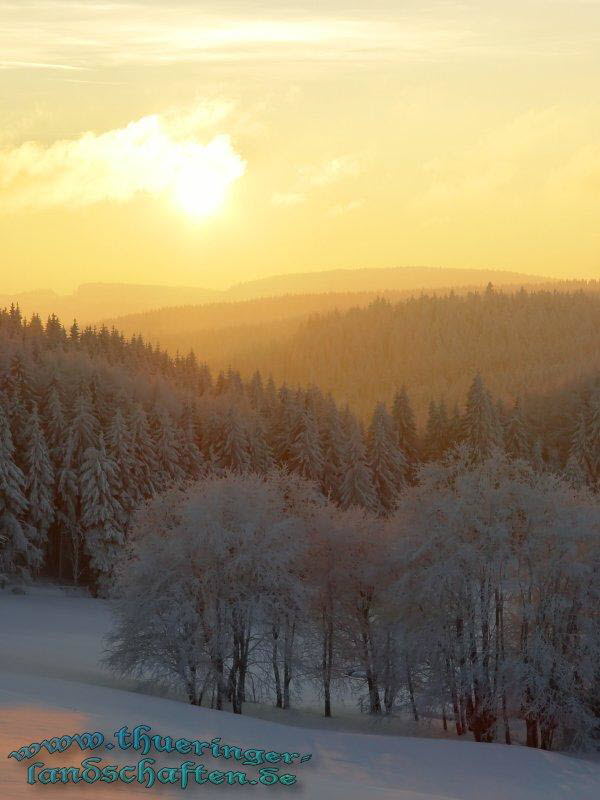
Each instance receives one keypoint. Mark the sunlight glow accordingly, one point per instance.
(205, 176)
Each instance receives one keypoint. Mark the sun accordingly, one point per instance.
(203, 175)
(200, 196)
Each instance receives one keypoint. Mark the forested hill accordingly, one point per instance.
(92, 424)
(525, 342)
(92, 302)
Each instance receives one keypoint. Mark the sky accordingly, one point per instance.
(202, 144)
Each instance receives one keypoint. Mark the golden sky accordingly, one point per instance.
(204, 143)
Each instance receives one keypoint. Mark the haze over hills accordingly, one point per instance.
(525, 342)
(362, 348)
(92, 302)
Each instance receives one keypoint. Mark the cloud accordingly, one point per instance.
(288, 198)
(332, 171)
(157, 155)
(344, 208)
(98, 33)
(318, 177)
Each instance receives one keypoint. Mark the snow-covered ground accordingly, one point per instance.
(51, 683)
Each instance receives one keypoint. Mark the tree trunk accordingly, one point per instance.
(411, 691)
(275, 663)
(532, 731)
(288, 651)
(326, 665)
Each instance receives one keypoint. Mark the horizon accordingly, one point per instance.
(223, 289)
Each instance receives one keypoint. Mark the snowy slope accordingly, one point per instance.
(51, 684)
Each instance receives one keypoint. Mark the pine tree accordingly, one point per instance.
(261, 458)
(387, 461)
(306, 456)
(481, 427)
(190, 457)
(437, 431)
(357, 487)
(256, 392)
(39, 484)
(233, 451)
(333, 451)
(537, 456)
(404, 425)
(101, 512)
(166, 449)
(516, 438)
(284, 425)
(17, 551)
(54, 424)
(593, 441)
(574, 474)
(144, 478)
(579, 441)
(119, 447)
(83, 428)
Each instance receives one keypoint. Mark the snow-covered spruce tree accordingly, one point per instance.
(357, 487)
(404, 426)
(481, 427)
(306, 456)
(283, 425)
(516, 436)
(233, 448)
(388, 464)
(101, 514)
(191, 459)
(333, 451)
(18, 552)
(68, 538)
(166, 449)
(39, 480)
(54, 420)
(437, 431)
(83, 425)
(261, 458)
(585, 441)
(144, 474)
(119, 448)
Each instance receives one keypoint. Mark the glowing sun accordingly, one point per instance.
(204, 175)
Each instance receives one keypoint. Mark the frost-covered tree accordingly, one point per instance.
(83, 427)
(166, 450)
(333, 451)
(208, 546)
(233, 448)
(306, 456)
(387, 461)
(101, 516)
(404, 425)
(144, 474)
(516, 438)
(481, 425)
(356, 486)
(18, 552)
(501, 572)
(39, 479)
(190, 456)
(55, 425)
